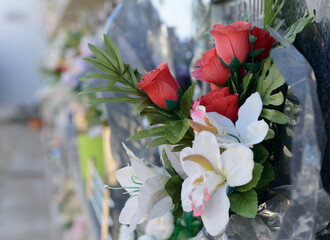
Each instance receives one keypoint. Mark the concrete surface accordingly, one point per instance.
(24, 196)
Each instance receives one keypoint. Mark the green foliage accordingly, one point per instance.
(257, 170)
(173, 188)
(297, 27)
(244, 203)
(186, 227)
(271, 10)
(186, 100)
(175, 130)
(267, 175)
(168, 165)
(152, 132)
(274, 116)
(260, 153)
(271, 82)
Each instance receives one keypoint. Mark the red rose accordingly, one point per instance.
(232, 41)
(222, 102)
(211, 69)
(264, 40)
(161, 86)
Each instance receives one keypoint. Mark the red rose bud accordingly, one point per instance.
(211, 69)
(264, 40)
(161, 87)
(222, 102)
(232, 41)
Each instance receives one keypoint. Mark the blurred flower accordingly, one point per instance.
(232, 41)
(161, 87)
(210, 68)
(209, 174)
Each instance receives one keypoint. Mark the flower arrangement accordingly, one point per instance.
(217, 150)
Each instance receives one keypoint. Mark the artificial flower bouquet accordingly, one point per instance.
(217, 151)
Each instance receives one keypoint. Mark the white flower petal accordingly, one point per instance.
(190, 168)
(174, 158)
(146, 237)
(151, 192)
(142, 171)
(248, 113)
(128, 210)
(161, 227)
(161, 207)
(205, 144)
(222, 123)
(185, 191)
(212, 181)
(124, 177)
(257, 132)
(237, 165)
(215, 215)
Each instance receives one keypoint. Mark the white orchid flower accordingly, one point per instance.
(246, 131)
(146, 186)
(161, 228)
(209, 174)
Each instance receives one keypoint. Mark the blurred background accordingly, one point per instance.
(56, 151)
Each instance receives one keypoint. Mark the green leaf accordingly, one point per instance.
(102, 66)
(114, 99)
(244, 203)
(103, 56)
(168, 165)
(186, 100)
(274, 116)
(152, 132)
(114, 52)
(246, 84)
(173, 188)
(266, 64)
(257, 52)
(271, 10)
(267, 175)
(257, 170)
(142, 104)
(297, 27)
(260, 153)
(278, 26)
(158, 141)
(108, 77)
(175, 130)
(270, 134)
(275, 99)
(177, 211)
(271, 82)
(110, 89)
(178, 148)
